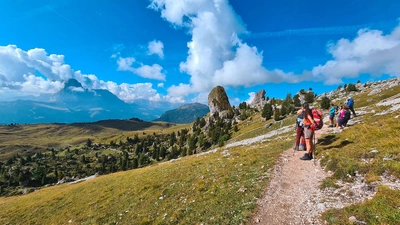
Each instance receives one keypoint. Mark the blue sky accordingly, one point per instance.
(177, 51)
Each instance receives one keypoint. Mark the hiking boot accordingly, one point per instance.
(306, 157)
(296, 148)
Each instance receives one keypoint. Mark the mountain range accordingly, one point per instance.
(185, 113)
(76, 104)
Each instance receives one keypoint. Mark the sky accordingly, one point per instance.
(178, 50)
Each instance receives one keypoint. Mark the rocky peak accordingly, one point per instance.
(72, 83)
(218, 100)
(259, 100)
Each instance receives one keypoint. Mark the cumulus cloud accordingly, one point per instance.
(156, 47)
(371, 52)
(152, 72)
(216, 55)
(34, 72)
(252, 95)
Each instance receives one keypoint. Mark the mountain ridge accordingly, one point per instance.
(185, 113)
(74, 103)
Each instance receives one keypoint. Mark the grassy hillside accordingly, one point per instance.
(222, 186)
(216, 188)
(370, 149)
(28, 139)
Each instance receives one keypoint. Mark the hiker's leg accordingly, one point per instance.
(309, 145)
(298, 136)
(352, 110)
(303, 140)
(308, 134)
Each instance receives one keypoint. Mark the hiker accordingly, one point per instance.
(350, 104)
(343, 117)
(300, 141)
(346, 116)
(332, 112)
(340, 120)
(308, 125)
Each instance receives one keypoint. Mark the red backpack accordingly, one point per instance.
(318, 118)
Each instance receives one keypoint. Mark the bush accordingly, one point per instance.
(351, 87)
(325, 102)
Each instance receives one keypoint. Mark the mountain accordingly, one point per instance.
(76, 104)
(185, 114)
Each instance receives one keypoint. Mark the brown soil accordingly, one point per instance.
(293, 194)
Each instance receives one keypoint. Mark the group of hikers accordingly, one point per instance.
(307, 122)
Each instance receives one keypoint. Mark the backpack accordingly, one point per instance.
(299, 120)
(350, 102)
(346, 115)
(318, 118)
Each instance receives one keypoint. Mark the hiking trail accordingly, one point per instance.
(293, 194)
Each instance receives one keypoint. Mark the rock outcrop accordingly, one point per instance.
(259, 100)
(218, 100)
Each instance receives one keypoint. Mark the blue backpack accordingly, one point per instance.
(350, 102)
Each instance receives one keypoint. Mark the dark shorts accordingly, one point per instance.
(341, 122)
(331, 116)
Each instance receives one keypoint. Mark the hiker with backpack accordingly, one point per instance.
(350, 104)
(300, 141)
(343, 117)
(347, 115)
(309, 126)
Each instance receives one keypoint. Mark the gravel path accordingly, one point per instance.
(293, 195)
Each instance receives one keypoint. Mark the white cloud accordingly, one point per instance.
(180, 90)
(216, 55)
(251, 97)
(156, 47)
(125, 64)
(160, 85)
(371, 52)
(19, 69)
(152, 72)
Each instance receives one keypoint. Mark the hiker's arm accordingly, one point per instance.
(311, 119)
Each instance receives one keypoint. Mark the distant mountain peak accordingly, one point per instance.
(72, 83)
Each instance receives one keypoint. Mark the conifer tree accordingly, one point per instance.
(325, 102)
(296, 100)
(277, 115)
(267, 111)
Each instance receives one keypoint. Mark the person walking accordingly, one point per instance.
(350, 104)
(308, 125)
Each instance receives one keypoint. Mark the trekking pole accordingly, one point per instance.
(314, 150)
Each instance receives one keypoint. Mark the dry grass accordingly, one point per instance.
(215, 188)
(28, 139)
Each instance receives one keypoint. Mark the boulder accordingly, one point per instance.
(218, 100)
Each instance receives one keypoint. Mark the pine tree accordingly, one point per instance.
(296, 100)
(277, 115)
(89, 142)
(267, 111)
(283, 110)
(325, 102)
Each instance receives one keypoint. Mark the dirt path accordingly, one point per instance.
(293, 195)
